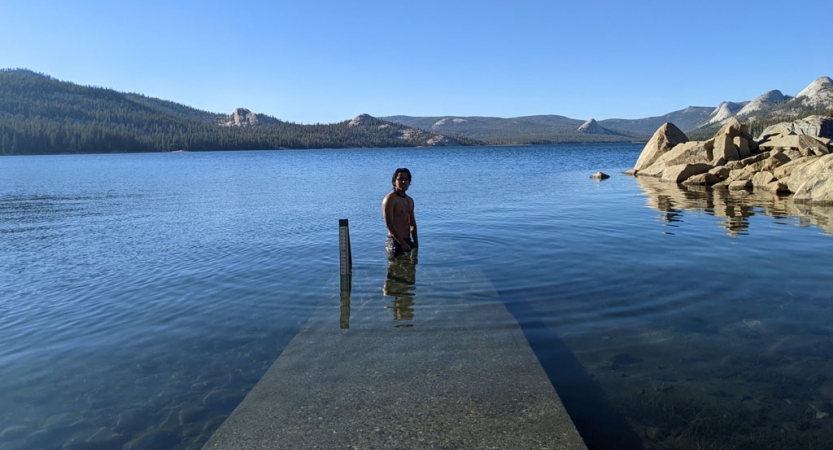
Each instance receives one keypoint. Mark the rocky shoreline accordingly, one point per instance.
(787, 158)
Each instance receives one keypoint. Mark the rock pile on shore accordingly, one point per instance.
(786, 158)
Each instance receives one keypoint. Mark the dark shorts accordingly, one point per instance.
(393, 249)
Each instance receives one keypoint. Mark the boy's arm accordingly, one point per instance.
(412, 220)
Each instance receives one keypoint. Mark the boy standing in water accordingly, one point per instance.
(398, 212)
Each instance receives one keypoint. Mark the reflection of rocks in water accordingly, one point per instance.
(664, 196)
(734, 207)
(400, 284)
(818, 215)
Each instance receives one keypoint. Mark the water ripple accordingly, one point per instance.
(141, 293)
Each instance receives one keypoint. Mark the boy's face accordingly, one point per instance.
(401, 182)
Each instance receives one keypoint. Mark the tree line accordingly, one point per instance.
(41, 115)
(758, 127)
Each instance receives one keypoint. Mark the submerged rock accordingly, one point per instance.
(600, 176)
(623, 359)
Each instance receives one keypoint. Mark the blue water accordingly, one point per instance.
(143, 295)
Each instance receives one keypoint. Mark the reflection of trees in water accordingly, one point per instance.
(401, 284)
(734, 207)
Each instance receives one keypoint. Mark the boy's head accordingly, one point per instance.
(401, 174)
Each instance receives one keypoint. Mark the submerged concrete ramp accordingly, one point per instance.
(444, 366)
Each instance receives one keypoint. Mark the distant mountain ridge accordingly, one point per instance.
(39, 114)
(42, 115)
(518, 130)
(770, 106)
(724, 111)
(763, 103)
(818, 94)
(773, 106)
(687, 118)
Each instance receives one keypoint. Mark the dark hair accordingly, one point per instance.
(398, 171)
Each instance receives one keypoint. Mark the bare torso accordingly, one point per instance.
(398, 213)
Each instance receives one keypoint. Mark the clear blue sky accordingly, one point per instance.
(313, 61)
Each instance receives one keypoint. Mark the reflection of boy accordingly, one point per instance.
(398, 212)
(401, 278)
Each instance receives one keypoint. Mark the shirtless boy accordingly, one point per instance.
(398, 212)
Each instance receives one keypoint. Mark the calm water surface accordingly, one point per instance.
(143, 295)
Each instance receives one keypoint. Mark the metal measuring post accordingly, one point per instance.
(345, 255)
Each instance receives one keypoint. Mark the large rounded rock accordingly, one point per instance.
(691, 152)
(817, 190)
(663, 140)
(784, 171)
(734, 165)
(812, 145)
(813, 182)
(804, 172)
(776, 159)
(740, 174)
(777, 187)
(724, 150)
(774, 131)
(732, 128)
(761, 179)
(682, 172)
(806, 145)
(720, 172)
(703, 179)
(652, 171)
(742, 144)
(819, 126)
(740, 185)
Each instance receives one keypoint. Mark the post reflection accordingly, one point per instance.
(344, 317)
(400, 284)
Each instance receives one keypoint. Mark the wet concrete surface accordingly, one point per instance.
(450, 370)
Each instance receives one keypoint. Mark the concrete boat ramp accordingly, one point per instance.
(442, 366)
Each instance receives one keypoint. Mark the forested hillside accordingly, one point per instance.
(41, 115)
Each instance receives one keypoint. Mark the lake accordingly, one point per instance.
(143, 295)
